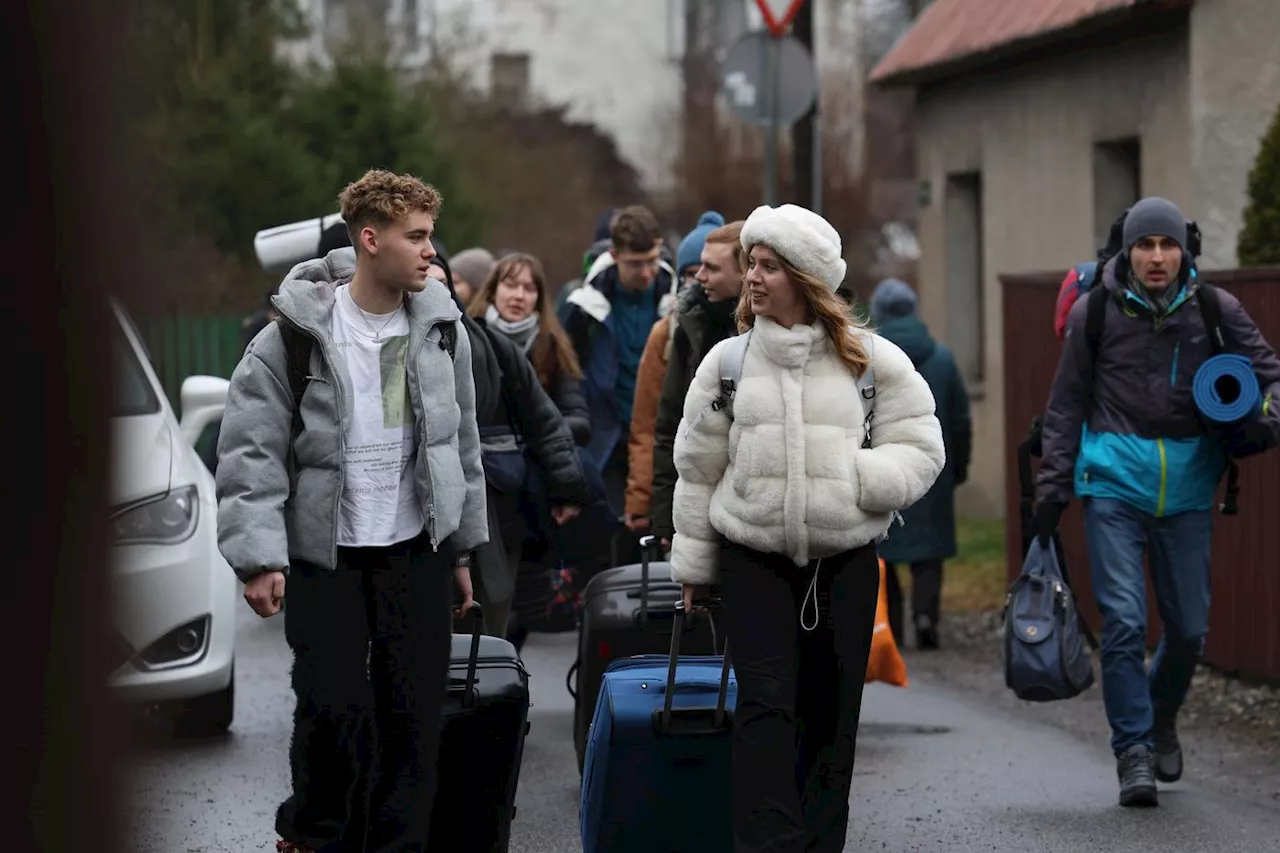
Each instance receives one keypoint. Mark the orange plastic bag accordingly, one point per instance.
(886, 663)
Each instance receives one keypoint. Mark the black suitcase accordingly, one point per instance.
(626, 611)
(486, 719)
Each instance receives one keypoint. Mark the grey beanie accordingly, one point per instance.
(1155, 217)
(473, 266)
(892, 297)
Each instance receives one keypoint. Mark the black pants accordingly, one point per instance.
(926, 595)
(799, 693)
(371, 644)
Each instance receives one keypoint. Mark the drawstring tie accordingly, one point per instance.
(812, 591)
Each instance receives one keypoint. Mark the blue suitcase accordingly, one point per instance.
(658, 764)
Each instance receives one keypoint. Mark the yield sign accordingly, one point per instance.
(778, 14)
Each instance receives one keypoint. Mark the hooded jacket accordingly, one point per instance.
(788, 474)
(1142, 440)
(262, 525)
(928, 531)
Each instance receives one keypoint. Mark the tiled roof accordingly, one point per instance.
(952, 30)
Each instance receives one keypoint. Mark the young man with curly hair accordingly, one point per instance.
(370, 506)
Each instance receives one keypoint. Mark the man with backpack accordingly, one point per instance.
(349, 461)
(1122, 431)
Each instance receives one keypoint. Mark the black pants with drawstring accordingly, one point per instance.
(800, 675)
(371, 644)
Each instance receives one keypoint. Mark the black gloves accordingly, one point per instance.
(1048, 513)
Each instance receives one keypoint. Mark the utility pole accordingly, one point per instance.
(806, 151)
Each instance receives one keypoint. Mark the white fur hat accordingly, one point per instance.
(804, 238)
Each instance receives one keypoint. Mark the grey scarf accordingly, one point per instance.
(523, 332)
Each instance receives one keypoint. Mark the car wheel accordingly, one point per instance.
(207, 715)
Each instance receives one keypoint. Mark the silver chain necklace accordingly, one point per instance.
(377, 333)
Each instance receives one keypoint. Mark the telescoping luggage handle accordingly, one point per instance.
(646, 544)
(691, 720)
(468, 685)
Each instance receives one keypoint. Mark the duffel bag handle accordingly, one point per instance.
(711, 603)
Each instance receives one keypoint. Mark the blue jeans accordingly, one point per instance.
(1118, 536)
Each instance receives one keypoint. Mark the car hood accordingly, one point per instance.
(142, 457)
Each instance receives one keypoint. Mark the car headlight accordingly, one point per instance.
(167, 520)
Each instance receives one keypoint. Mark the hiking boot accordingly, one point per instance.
(926, 633)
(1136, 769)
(1168, 758)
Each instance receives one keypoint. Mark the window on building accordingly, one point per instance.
(1117, 182)
(966, 301)
(509, 78)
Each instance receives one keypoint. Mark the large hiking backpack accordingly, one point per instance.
(1081, 278)
(1045, 659)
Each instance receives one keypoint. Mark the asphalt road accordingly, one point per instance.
(938, 769)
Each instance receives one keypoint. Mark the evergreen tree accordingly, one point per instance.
(1260, 240)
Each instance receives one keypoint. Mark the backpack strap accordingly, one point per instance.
(866, 385)
(1095, 322)
(297, 348)
(448, 336)
(1211, 312)
(731, 359)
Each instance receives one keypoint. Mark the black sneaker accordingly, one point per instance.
(926, 633)
(1168, 758)
(1136, 769)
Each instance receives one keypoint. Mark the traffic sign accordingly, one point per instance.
(748, 77)
(779, 13)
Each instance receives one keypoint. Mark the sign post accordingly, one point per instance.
(770, 81)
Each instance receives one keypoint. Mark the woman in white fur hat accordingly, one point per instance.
(780, 500)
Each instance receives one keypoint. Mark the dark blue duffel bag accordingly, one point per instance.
(1045, 658)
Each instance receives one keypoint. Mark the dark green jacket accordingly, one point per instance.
(929, 529)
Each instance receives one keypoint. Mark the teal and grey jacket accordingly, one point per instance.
(1142, 440)
(261, 524)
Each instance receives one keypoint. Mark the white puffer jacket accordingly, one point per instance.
(788, 474)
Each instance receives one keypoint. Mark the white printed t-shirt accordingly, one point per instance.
(379, 504)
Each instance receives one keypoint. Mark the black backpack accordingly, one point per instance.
(297, 347)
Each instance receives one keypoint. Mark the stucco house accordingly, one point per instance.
(617, 64)
(1038, 121)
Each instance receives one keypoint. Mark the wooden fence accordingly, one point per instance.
(1244, 623)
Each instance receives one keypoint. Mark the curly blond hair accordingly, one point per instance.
(381, 197)
(824, 307)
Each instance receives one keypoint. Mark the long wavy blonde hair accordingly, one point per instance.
(824, 306)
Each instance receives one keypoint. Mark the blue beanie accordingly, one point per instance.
(892, 297)
(690, 252)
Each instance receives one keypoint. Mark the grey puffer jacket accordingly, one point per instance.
(261, 525)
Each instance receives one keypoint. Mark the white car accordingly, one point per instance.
(172, 647)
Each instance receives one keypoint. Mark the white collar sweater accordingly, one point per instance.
(788, 475)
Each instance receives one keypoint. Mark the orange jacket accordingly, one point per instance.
(644, 413)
